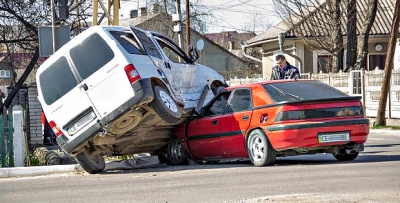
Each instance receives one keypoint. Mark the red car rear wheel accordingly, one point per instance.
(259, 149)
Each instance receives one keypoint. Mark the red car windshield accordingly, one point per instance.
(302, 90)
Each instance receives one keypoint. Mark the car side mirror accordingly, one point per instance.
(194, 53)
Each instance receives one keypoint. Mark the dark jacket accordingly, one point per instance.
(289, 72)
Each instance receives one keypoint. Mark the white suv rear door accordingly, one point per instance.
(100, 66)
(64, 101)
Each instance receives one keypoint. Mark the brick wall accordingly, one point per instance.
(35, 118)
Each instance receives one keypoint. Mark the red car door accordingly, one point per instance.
(203, 138)
(203, 133)
(234, 124)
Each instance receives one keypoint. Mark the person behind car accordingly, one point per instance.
(284, 70)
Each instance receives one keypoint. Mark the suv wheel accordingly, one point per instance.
(165, 106)
(91, 163)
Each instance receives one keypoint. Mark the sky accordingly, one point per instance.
(239, 15)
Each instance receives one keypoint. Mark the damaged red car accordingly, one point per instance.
(262, 121)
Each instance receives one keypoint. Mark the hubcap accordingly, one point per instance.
(257, 148)
(176, 150)
(168, 101)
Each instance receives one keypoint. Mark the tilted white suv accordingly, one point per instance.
(119, 90)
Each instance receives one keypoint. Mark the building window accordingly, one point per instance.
(376, 61)
(5, 74)
(324, 63)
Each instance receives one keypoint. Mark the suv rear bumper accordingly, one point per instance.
(143, 94)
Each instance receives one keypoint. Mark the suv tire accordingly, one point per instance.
(165, 106)
(91, 163)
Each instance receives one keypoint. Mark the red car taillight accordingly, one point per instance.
(132, 73)
(55, 128)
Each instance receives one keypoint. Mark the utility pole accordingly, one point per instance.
(380, 117)
(178, 28)
(187, 27)
(53, 25)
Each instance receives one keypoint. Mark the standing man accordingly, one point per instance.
(284, 70)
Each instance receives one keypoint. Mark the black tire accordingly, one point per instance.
(162, 154)
(163, 103)
(346, 157)
(259, 149)
(91, 163)
(52, 158)
(176, 153)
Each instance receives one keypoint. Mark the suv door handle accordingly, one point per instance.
(167, 65)
(84, 86)
(214, 122)
(245, 118)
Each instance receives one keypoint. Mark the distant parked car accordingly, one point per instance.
(119, 90)
(261, 121)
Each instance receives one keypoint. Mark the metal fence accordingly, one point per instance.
(356, 83)
(6, 141)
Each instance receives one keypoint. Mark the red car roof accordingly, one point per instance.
(264, 82)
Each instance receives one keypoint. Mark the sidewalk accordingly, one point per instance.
(140, 162)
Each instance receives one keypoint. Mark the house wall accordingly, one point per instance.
(396, 63)
(215, 57)
(212, 55)
(308, 61)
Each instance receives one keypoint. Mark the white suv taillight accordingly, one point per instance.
(55, 128)
(132, 73)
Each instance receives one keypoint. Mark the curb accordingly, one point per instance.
(38, 170)
(384, 131)
(139, 162)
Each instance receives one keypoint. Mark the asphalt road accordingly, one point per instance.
(373, 177)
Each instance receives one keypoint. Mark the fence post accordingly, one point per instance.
(3, 141)
(19, 138)
(363, 90)
(10, 142)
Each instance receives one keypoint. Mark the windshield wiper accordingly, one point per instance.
(283, 93)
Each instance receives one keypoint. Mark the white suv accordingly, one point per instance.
(119, 90)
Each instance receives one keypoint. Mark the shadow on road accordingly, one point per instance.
(383, 145)
(319, 159)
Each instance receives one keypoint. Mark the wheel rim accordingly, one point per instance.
(176, 150)
(168, 101)
(257, 148)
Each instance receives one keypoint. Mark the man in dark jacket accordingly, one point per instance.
(284, 70)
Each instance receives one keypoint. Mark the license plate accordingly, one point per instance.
(82, 122)
(333, 137)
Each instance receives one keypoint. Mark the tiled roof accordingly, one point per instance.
(381, 25)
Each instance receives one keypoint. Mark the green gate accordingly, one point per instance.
(6, 141)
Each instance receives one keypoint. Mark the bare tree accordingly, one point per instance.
(19, 21)
(19, 33)
(351, 54)
(380, 117)
(317, 24)
(362, 49)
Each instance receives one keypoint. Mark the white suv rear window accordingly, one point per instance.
(56, 81)
(92, 54)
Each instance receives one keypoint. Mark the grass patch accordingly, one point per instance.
(392, 127)
(34, 160)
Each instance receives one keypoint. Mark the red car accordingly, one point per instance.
(264, 120)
